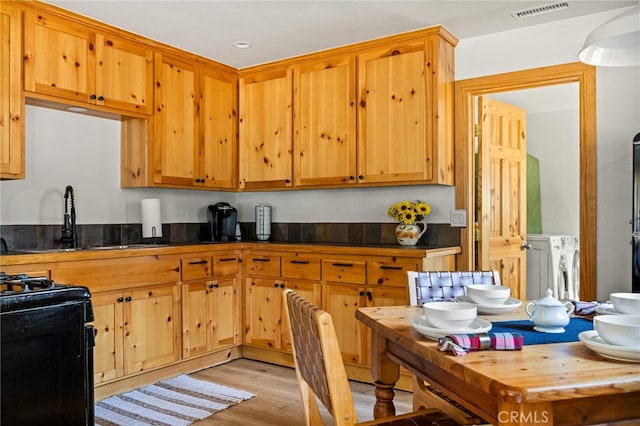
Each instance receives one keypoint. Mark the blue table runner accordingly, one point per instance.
(532, 337)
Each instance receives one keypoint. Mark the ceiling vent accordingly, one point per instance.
(540, 10)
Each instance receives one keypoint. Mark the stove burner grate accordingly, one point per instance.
(22, 283)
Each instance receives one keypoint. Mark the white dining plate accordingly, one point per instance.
(607, 309)
(508, 306)
(621, 353)
(422, 325)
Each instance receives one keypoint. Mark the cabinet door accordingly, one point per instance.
(265, 130)
(263, 312)
(218, 129)
(225, 310)
(175, 144)
(108, 361)
(310, 290)
(11, 105)
(124, 74)
(59, 57)
(151, 327)
(342, 301)
(392, 144)
(325, 122)
(384, 296)
(196, 318)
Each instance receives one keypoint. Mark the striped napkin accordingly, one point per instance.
(461, 344)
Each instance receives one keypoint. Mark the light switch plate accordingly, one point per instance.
(458, 218)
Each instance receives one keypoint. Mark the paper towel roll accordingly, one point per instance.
(151, 220)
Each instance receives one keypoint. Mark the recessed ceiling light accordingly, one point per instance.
(241, 44)
(76, 109)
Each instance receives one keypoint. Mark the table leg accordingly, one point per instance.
(385, 373)
(384, 406)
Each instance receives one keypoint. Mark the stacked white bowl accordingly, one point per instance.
(626, 303)
(489, 295)
(621, 329)
(450, 315)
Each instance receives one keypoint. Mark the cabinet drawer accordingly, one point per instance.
(226, 264)
(196, 267)
(346, 271)
(263, 265)
(390, 273)
(301, 268)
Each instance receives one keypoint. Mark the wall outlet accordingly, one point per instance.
(458, 218)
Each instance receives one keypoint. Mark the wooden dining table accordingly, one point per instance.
(544, 384)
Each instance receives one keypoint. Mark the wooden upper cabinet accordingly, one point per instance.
(403, 133)
(124, 75)
(176, 118)
(392, 127)
(324, 142)
(69, 60)
(195, 142)
(218, 152)
(265, 130)
(11, 104)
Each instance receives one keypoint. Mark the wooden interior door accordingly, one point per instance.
(502, 197)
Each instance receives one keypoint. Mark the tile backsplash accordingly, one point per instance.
(48, 236)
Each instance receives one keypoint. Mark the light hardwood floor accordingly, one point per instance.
(277, 400)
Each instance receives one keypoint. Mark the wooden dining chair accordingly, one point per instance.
(433, 286)
(321, 373)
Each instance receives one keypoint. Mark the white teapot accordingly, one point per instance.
(548, 314)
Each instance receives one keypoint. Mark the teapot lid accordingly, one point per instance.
(548, 299)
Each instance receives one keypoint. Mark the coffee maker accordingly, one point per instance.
(222, 222)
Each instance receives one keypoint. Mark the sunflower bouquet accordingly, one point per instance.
(409, 212)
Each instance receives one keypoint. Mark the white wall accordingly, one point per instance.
(67, 149)
(554, 138)
(618, 120)
(71, 149)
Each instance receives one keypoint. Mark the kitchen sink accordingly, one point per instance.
(96, 248)
(127, 246)
(49, 250)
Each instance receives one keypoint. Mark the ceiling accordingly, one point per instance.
(282, 29)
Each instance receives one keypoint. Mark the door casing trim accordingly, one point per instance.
(466, 90)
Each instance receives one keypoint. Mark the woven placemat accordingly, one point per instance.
(533, 337)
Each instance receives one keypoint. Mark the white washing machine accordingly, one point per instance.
(546, 265)
(572, 256)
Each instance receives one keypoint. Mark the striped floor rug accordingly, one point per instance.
(179, 401)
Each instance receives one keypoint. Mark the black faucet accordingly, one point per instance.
(69, 236)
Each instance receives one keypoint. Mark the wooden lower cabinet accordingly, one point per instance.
(343, 300)
(135, 330)
(265, 324)
(156, 315)
(209, 316)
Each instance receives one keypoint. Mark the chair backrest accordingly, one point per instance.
(445, 285)
(318, 361)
